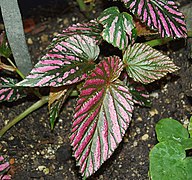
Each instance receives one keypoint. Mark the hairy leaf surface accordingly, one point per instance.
(8, 91)
(161, 15)
(145, 64)
(119, 28)
(91, 29)
(102, 115)
(67, 63)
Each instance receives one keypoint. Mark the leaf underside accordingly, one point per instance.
(145, 64)
(102, 115)
(139, 93)
(118, 27)
(67, 63)
(57, 97)
(161, 15)
(9, 92)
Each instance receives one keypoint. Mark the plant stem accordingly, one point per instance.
(82, 5)
(36, 92)
(16, 69)
(32, 108)
(157, 42)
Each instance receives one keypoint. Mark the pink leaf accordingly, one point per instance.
(91, 29)
(102, 115)
(67, 63)
(161, 15)
(8, 91)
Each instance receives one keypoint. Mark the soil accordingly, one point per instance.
(40, 154)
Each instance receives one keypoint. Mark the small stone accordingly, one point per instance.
(29, 41)
(125, 140)
(55, 33)
(66, 21)
(153, 112)
(73, 19)
(138, 130)
(44, 38)
(41, 168)
(101, 177)
(145, 137)
(154, 95)
(11, 138)
(135, 143)
(167, 101)
(6, 122)
(139, 118)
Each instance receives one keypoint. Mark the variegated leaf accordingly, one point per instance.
(57, 97)
(91, 29)
(139, 93)
(145, 64)
(102, 115)
(119, 29)
(161, 15)
(8, 91)
(67, 63)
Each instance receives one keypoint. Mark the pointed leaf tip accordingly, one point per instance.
(119, 29)
(102, 115)
(67, 63)
(9, 92)
(145, 64)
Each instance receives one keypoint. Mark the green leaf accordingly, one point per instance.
(168, 158)
(170, 129)
(119, 28)
(190, 127)
(168, 161)
(145, 64)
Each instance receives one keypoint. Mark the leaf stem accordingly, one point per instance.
(82, 5)
(16, 69)
(157, 42)
(36, 92)
(32, 108)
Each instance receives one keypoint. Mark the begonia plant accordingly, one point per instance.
(108, 87)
